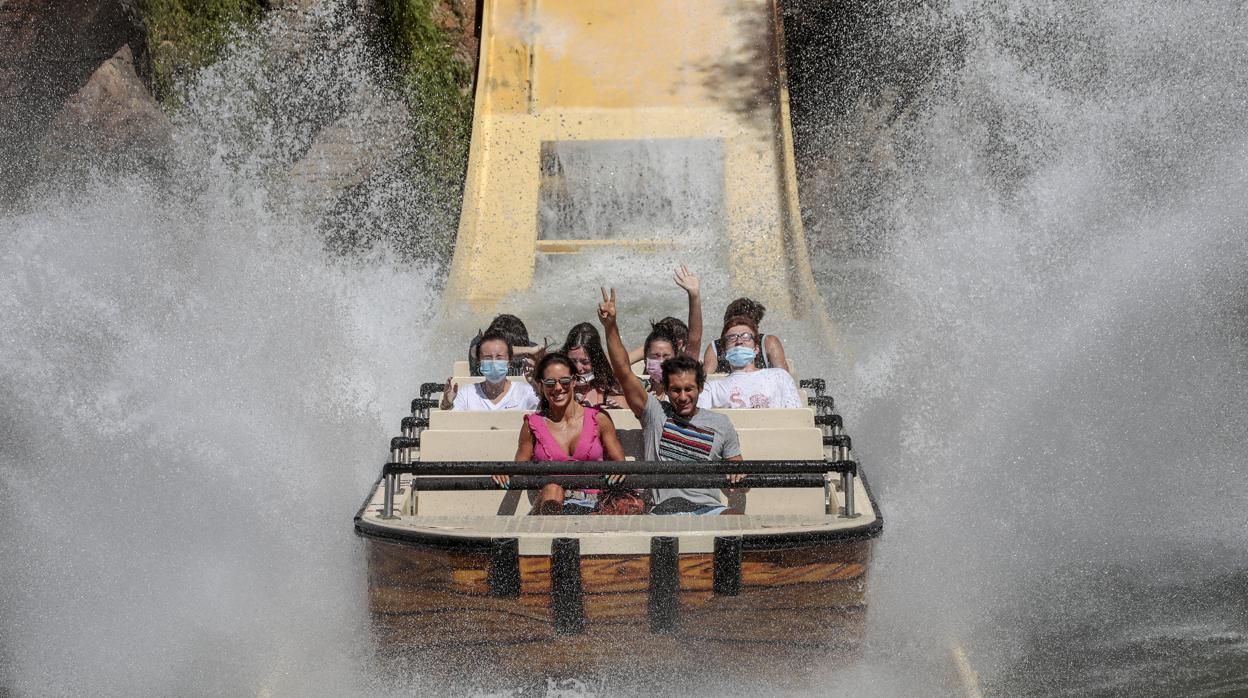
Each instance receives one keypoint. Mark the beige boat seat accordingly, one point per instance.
(798, 443)
(623, 419)
(437, 445)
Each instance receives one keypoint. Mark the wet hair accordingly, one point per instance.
(660, 333)
(740, 320)
(684, 364)
(747, 308)
(676, 328)
(539, 372)
(513, 328)
(585, 336)
(493, 336)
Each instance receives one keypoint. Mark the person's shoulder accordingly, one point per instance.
(524, 395)
(715, 419)
(522, 388)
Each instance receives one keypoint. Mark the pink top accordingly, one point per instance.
(588, 445)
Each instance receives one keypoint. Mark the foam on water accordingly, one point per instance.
(1050, 375)
(195, 399)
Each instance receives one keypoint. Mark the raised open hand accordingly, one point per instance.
(606, 309)
(448, 393)
(688, 280)
(531, 361)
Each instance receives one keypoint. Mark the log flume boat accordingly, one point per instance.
(457, 568)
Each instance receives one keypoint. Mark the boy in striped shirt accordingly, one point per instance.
(675, 430)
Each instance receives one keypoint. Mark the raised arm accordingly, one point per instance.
(689, 281)
(635, 355)
(775, 352)
(710, 360)
(634, 392)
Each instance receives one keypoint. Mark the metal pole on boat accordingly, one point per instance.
(387, 506)
(847, 484)
(829, 499)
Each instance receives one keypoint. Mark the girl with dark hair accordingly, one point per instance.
(770, 352)
(659, 346)
(595, 383)
(564, 430)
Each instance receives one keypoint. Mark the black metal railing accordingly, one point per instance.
(526, 475)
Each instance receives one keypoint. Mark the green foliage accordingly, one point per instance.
(437, 84)
(435, 81)
(185, 35)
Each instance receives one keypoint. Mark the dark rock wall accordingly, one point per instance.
(50, 51)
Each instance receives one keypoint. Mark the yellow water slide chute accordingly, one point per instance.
(576, 73)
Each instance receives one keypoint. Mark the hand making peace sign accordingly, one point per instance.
(606, 309)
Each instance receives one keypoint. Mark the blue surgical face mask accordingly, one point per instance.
(740, 357)
(494, 370)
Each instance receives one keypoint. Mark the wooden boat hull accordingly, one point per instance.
(797, 602)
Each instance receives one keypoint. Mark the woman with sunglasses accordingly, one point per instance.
(564, 430)
(748, 386)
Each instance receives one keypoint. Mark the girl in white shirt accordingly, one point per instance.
(496, 392)
(748, 386)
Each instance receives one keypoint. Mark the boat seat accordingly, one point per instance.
(437, 445)
(798, 443)
(623, 419)
(464, 379)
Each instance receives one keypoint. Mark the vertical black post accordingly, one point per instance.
(565, 586)
(664, 584)
(504, 574)
(726, 579)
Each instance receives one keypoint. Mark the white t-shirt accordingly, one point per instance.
(519, 396)
(766, 387)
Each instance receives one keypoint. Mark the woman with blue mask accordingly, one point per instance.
(493, 354)
(748, 386)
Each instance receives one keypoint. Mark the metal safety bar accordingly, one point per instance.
(422, 405)
(622, 467)
(427, 389)
(816, 384)
(673, 481)
(457, 475)
(823, 404)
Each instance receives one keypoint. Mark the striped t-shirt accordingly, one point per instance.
(704, 436)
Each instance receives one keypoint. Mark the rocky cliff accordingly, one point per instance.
(74, 74)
